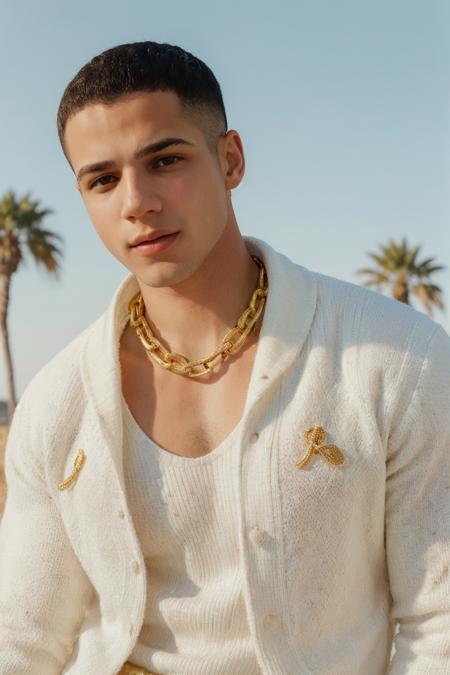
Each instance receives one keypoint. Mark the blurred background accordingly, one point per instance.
(343, 108)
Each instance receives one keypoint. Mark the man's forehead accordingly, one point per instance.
(137, 120)
(157, 108)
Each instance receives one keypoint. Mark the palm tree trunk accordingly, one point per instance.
(402, 294)
(4, 302)
(401, 290)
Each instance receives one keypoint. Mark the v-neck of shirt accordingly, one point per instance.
(133, 428)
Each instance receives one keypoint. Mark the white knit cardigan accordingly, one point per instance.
(342, 553)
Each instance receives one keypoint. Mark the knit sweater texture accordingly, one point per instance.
(347, 551)
(186, 518)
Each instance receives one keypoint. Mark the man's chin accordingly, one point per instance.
(162, 275)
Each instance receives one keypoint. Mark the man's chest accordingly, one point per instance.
(187, 416)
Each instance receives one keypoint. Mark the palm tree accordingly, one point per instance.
(20, 232)
(399, 269)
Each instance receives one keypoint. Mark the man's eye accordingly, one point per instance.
(167, 161)
(102, 181)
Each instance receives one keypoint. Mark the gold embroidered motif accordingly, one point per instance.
(77, 466)
(129, 668)
(315, 437)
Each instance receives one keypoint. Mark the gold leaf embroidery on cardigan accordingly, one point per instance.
(129, 668)
(77, 466)
(315, 437)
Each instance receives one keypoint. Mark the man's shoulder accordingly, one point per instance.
(375, 338)
(370, 316)
(346, 315)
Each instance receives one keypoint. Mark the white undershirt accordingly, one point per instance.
(185, 516)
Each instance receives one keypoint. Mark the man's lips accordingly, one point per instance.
(147, 238)
(157, 244)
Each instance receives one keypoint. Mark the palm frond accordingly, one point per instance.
(21, 218)
(398, 263)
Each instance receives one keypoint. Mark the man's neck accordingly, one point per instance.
(192, 317)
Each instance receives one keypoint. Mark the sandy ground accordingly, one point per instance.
(3, 435)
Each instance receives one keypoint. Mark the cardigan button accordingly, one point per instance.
(121, 514)
(135, 566)
(257, 535)
(254, 437)
(269, 621)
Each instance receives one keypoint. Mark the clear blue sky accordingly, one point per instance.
(343, 108)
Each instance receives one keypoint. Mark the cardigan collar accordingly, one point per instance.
(288, 314)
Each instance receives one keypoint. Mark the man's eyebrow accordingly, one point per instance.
(142, 152)
(93, 168)
(160, 145)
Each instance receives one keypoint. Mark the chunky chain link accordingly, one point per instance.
(231, 343)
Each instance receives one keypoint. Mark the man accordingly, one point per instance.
(242, 466)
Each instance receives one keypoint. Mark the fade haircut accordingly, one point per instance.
(148, 66)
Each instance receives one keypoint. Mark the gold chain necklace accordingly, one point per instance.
(232, 341)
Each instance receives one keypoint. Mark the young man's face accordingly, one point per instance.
(132, 189)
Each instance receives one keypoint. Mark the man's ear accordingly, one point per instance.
(233, 161)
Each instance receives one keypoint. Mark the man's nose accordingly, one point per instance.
(139, 196)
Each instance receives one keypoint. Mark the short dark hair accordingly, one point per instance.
(147, 66)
